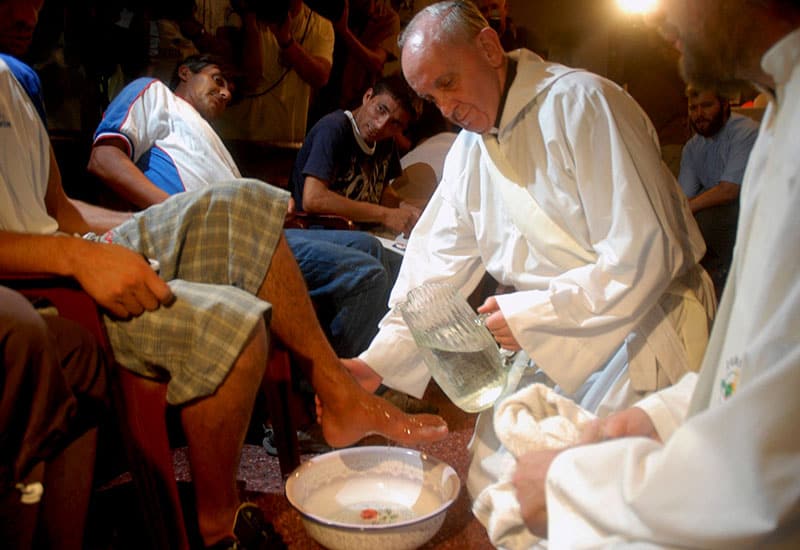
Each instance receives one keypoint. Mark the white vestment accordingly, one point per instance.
(590, 290)
(729, 476)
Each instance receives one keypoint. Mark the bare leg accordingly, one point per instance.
(215, 429)
(351, 412)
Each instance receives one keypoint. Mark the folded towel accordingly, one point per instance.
(533, 418)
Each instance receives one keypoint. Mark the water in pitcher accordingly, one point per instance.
(459, 351)
(473, 380)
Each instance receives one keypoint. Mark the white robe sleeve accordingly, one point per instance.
(724, 479)
(667, 408)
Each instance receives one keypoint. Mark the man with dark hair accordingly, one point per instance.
(153, 143)
(712, 169)
(348, 160)
(713, 161)
(197, 324)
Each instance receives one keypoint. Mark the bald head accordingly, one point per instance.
(450, 56)
(443, 23)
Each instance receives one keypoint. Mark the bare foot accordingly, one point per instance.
(346, 422)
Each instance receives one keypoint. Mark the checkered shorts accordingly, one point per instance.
(214, 247)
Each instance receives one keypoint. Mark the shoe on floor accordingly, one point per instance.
(309, 441)
(252, 531)
(405, 402)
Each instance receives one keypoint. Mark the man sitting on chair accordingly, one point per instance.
(199, 322)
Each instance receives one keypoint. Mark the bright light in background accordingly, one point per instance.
(637, 6)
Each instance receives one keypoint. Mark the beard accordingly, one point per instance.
(714, 125)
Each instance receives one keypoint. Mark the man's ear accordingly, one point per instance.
(489, 43)
(184, 73)
(367, 96)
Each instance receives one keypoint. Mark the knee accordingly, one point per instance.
(367, 244)
(368, 272)
(21, 326)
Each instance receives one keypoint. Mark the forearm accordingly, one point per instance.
(328, 202)
(26, 254)
(723, 193)
(115, 169)
(96, 218)
(706, 487)
(313, 69)
(76, 216)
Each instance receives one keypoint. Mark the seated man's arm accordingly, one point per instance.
(724, 193)
(119, 279)
(75, 216)
(318, 199)
(109, 161)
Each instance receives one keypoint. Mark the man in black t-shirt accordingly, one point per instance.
(348, 160)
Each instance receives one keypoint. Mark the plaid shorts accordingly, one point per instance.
(214, 247)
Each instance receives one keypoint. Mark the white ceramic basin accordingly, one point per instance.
(373, 498)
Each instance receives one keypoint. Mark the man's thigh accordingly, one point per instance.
(49, 367)
(331, 266)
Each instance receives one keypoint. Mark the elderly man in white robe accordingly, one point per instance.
(714, 461)
(556, 188)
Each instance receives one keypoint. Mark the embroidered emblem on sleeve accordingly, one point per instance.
(730, 377)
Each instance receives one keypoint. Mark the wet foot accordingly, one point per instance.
(346, 422)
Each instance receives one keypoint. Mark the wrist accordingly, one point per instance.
(73, 254)
(385, 213)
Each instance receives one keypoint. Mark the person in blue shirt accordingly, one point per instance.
(712, 169)
(713, 160)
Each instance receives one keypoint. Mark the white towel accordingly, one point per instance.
(534, 418)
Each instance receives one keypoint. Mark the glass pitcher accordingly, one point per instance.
(459, 350)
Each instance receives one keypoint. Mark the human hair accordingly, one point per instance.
(693, 91)
(197, 63)
(457, 20)
(397, 87)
